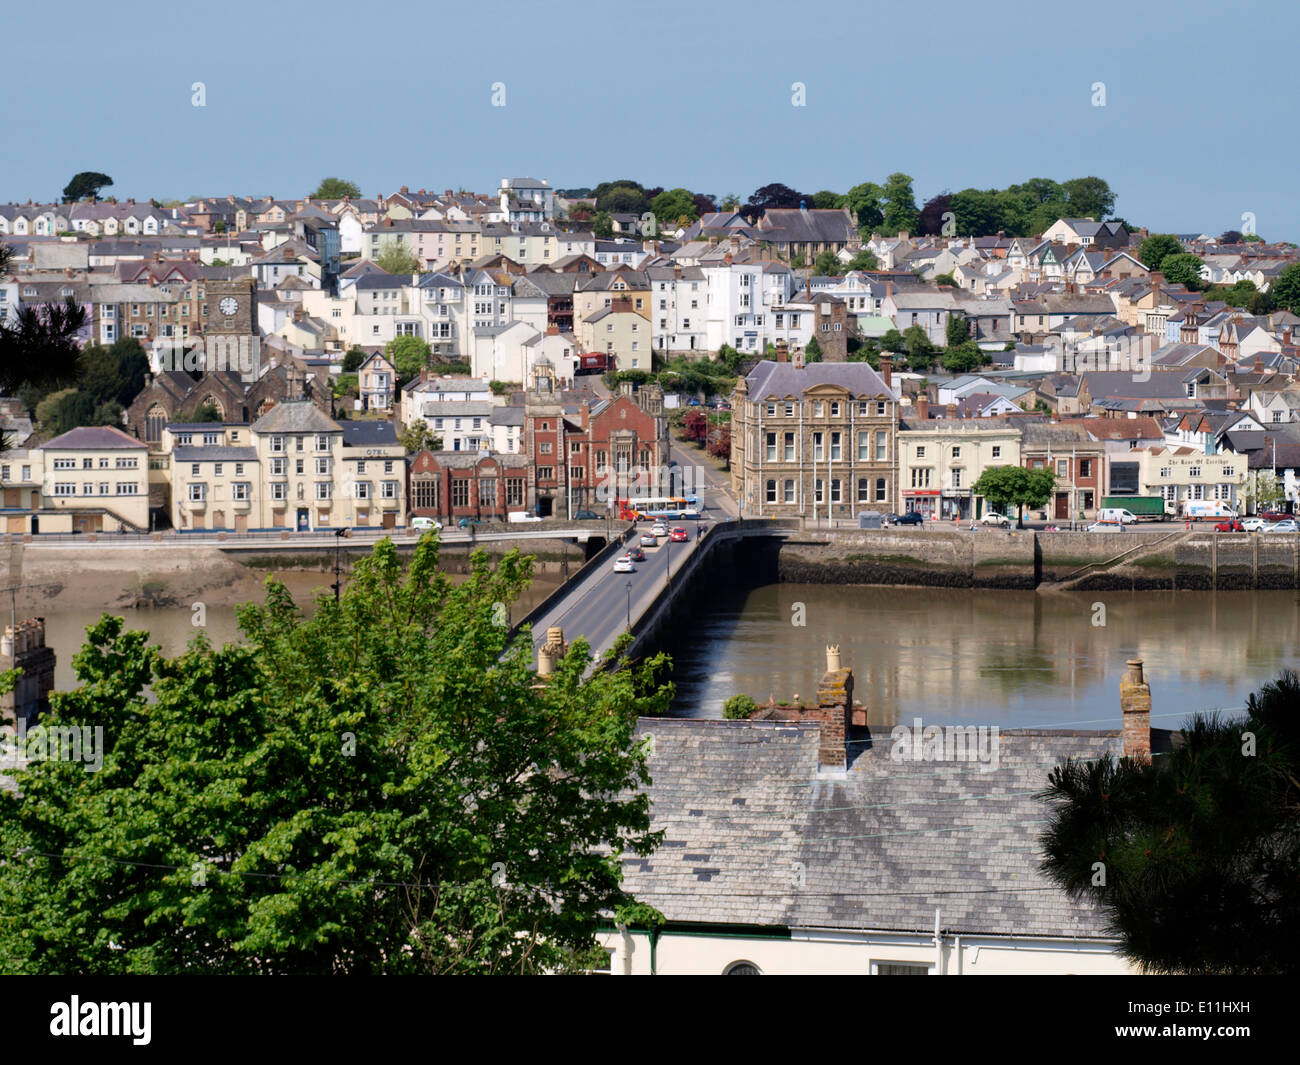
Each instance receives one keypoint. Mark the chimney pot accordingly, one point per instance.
(1135, 709)
(887, 368)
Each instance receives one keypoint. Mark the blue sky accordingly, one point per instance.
(1198, 124)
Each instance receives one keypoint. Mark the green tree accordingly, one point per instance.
(602, 225)
(863, 260)
(65, 409)
(85, 186)
(900, 211)
(1200, 837)
(674, 207)
(218, 226)
(39, 349)
(730, 202)
(739, 708)
(864, 203)
(332, 188)
(1183, 269)
(353, 359)
(1156, 248)
(409, 355)
(963, 358)
(892, 341)
(812, 352)
(419, 437)
(623, 199)
(207, 412)
(379, 785)
(1285, 290)
(945, 281)
(113, 374)
(394, 257)
(825, 200)
(1088, 197)
(957, 331)
(920, 350)
(828, 264)
(1015, 486)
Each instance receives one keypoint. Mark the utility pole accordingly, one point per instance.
(629, 606)
(13, 591)
(338, 543)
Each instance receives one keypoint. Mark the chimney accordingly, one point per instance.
(835, 706)
(889, 290)
(923, 407)
(424, 374)
(903, 234)
(551, 651)
(405, 190)
(887, 368)
(1286, 336)
(950, 410)
(727, 258)
(1135, 708)
(782, 351)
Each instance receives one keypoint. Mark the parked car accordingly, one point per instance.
(1275, 515)
(996, 519)
(679, 535)
(1106, 527)
(649, 540)
(1232, 525)
(425, 524)
(465, 523)
(635, 554)
(910, 518)
(1282, 526)
(623, 564)
(1255, 524)
(586, 515)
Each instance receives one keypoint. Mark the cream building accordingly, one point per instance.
(94, 479)
(1184, 474)
(294, 468)
(939, 461)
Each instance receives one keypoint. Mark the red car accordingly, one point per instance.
(636, 554)
(678, 535)
(1229, 526)
(1275, 515)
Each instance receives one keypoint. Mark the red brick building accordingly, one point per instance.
(450, 485)
(1078, 461)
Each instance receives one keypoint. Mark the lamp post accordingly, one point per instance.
(629, 606)
(338, 543)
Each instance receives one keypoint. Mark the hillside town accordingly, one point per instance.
(859, 371)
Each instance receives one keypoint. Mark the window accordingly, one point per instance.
(126, 464)
(818, 448)
(789, 447)
(460, 493)
(322, 443)
(299, 467)
(216, 469)
(880, 489)
(65, 464)
(920, 477)
(277, 444)
(835, 409)
(388, 490)
(1193, 471)
(864, 490)
(771, 491)
(890, 968)
(1228, 471)
(882, 445)
(198, 492)
(997, 451)
(1166, 471)
(425, 494)
(126, 488)
(836, 447)
(514, 491)
(277, 490)
(546, 473)
(862, 408)
(835, 490)
(277, 467)
(789, 490)
(817, 490)
(1085, 467)
(239, 491)
(920, 451)
(64, 489)
(771, 410)
(1062, 467)
(361, 489)
(956, 453)
(322, 467)
(817, 409)
(789, 410)
(956, 478)
(771, 452)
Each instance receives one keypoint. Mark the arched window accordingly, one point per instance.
(153, 424)
(742, 968)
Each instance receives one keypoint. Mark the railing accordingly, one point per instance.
(1132, 552)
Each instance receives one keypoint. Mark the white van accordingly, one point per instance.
(1208, 509)
(1119, 514)
(423, 524)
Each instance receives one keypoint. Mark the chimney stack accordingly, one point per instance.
(835, 706)
(887, 368)
(782, 351)
(923, 407)
(551, 651)
(1135, 708)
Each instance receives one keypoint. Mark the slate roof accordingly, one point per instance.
(770, 378)
(368, 433)
(92, 438)
(744, 806)
(295, 416)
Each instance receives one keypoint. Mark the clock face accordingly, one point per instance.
(229, 305)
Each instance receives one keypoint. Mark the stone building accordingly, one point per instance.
(450, 485)
(23, 647)
(817, 441)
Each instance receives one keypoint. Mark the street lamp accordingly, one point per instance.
(668, 562)
(338, 543)
(629, 606)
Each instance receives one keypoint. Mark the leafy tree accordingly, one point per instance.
(1253, 238)
(825, 200)
(63, 410)
(1156, 248)
(622, 199)
(864, 203)
(720, 444)
(730, 358)
(332, 188)
(1202, 837)
(891, 341)
(695, 426)
(919, 348)
(963, 358)
(1184, 269)
(828, 264)
(674, 207)
(1008, 486)
(1088, 197)
(602, 225)
(979, 212)
(1230, 236)
(777, 195)
(900, 212)
(109, 412)
(353, 359)
(1285, 290)
(207, 412)
(946, 281)
(1264, 490)
(409, 355)
(957, 331)
(812, 351)
(394, 257)
(85, 186)
(218, 226)
(38, 345)
(113, 374)
(379, 785)
(498, 388)
(419, 437)
(864, 260)
(739, 707)
(930, 221)
(1243, 294)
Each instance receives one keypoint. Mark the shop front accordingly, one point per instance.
(955, 505)
(922, 501)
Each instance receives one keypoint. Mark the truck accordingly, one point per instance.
(1144, 508)
(1208, 510)
(592, 362)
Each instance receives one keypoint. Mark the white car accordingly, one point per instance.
(1282, 526)
(1106, 527)
(996, 519)
(623, 564)
(659, 530)
(1253, 524)
(425, 524)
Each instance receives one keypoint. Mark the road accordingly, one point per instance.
(297, 541)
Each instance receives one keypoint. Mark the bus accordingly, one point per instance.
(673, 508)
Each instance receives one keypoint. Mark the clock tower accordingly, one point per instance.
(231, 339)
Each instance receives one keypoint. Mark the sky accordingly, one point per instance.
(1196, 128)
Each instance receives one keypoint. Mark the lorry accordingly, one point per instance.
(1144, 508)
(1208, 510)
(592, 362)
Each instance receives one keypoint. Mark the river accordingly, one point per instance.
(1007, 658)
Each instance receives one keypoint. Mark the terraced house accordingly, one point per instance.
(816, 440)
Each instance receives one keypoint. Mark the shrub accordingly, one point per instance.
(738, 708)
